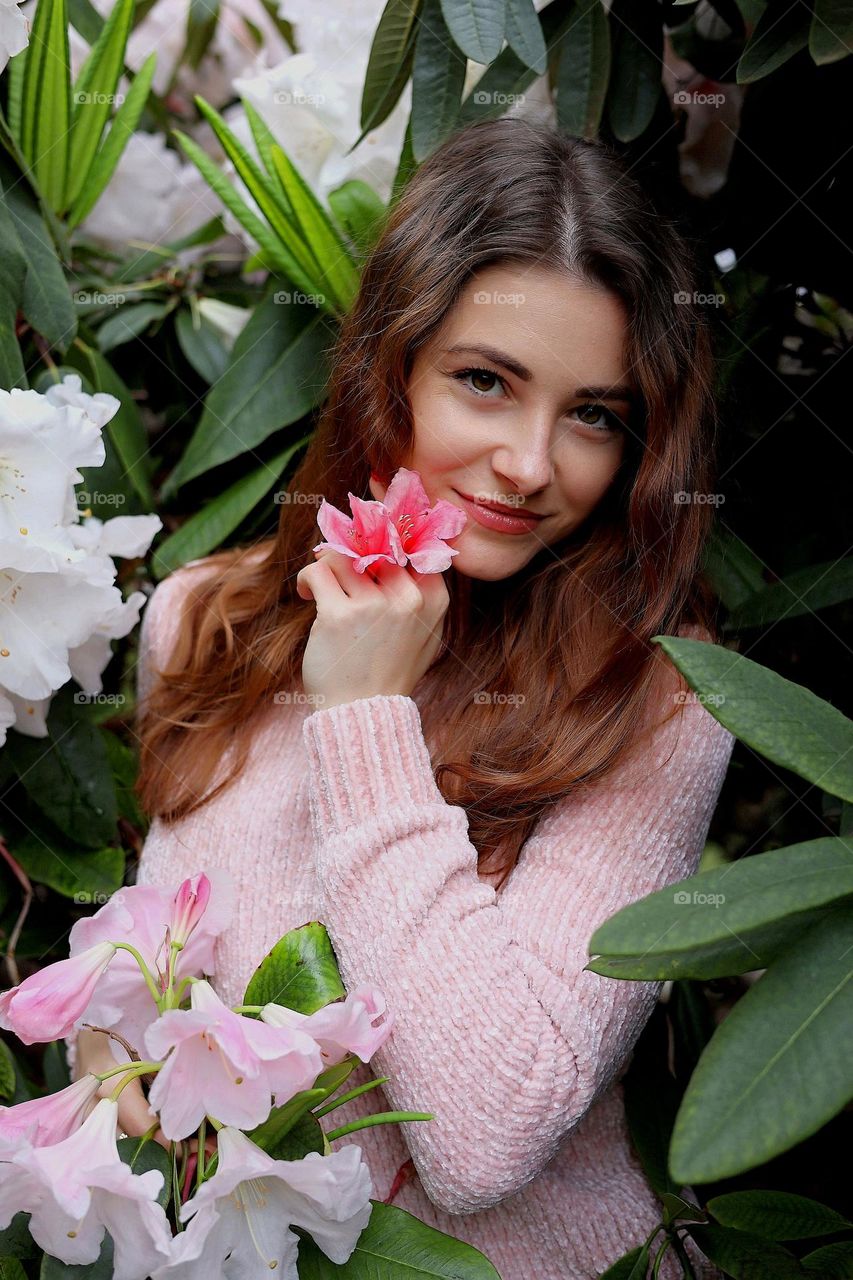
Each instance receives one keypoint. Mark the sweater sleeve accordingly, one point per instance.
(499, 1031)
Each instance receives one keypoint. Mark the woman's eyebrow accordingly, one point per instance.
(618, 392)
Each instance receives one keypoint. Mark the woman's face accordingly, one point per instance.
(518, 401)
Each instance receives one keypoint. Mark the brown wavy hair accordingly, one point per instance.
(570, 631)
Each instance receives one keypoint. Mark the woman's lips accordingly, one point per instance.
(497, 520)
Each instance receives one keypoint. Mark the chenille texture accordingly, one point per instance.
(500, 1033)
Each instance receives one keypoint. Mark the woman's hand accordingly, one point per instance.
(94, 1054)
(375, 632)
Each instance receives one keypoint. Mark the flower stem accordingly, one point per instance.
(138, 1069)
(384, 1117)
(348, 1097)
(246, 1008)
(146, 972)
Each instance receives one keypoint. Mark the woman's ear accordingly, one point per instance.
(377, 488)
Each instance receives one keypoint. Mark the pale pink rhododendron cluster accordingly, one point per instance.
(138, 969)
(400, 529)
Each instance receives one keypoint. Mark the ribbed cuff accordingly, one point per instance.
(367, 757)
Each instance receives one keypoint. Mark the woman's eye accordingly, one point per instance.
(474, 379)
(607, 420)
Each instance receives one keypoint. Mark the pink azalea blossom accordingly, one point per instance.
(403, 527)
(46, 1005)
(420, 528)
(44, 1121)
(78, 1188)
(225, 1065)
(245, 1211)
(142, 915)
(357, 1025)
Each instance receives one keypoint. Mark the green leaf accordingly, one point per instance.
(778, 35)
(265, 141)
(128, 323)
(102, 1269)
(81, 874)
(394, 1244)
(831, 31)
(524, 34)
(11, 1269)
(783, 721)
(46, 100)
(209, 527)
(300, 972)
(728, 920)
(776, 1215)
(438, 76)
(389, 63)
(339, 275)
(805, 591)
(148, 1156)
(16, 1240)
(360, 211)
(54, 1065)
(202, 18)
(583, 73)
(734, 570)
(289, 1132)
(201, 345)
(477, 26)
(626, 1267)
(45, 299)
(508, 77)
(637, 58)
(277, 373)
(7, 1072)
(13, 274)
(94, 96)
(66, 774)
(745, 1102)
(124, 123)
(832, 1262)
(125, 431)
(744, 1256)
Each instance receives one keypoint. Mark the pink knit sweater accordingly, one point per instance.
(499, 1032)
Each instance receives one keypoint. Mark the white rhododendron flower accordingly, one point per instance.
(14, 31)
(59, 604)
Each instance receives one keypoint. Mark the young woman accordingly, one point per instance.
(463, 774)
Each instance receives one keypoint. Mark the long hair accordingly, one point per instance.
(545, 676)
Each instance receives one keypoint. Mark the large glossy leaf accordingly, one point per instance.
(393, 1245)
(438, 75)
(633, 1265)
(735, 572)
(477, 27)
(300, 972)
(123, 125)
(277, 373)
(776, 1215)
(13, 273)
(777, 36)
(359, 210)
(831, 31)
(745, 1256)
(94, 96)
(729, 920)
(832, 1262)
(46, 100)
(145, 1156)
(208, 528)
(45, 299)
(583, 73)
(128, 323)
(67, 774)
(290, 1132)
(746, 1101)
(636, 33)
(788, 724)
(389, 63)
(508, 76)
(816, 587)
(82, 874)
(201, 345)
(524, 34)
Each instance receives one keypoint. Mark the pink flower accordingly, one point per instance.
(46, 1005)
(344, 1027)
(225, 1065)
(44, 1121)
(141, 915)
(403, 527)
(78, 1188)
(419, 527)
(190, 905)
(241, 1217)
